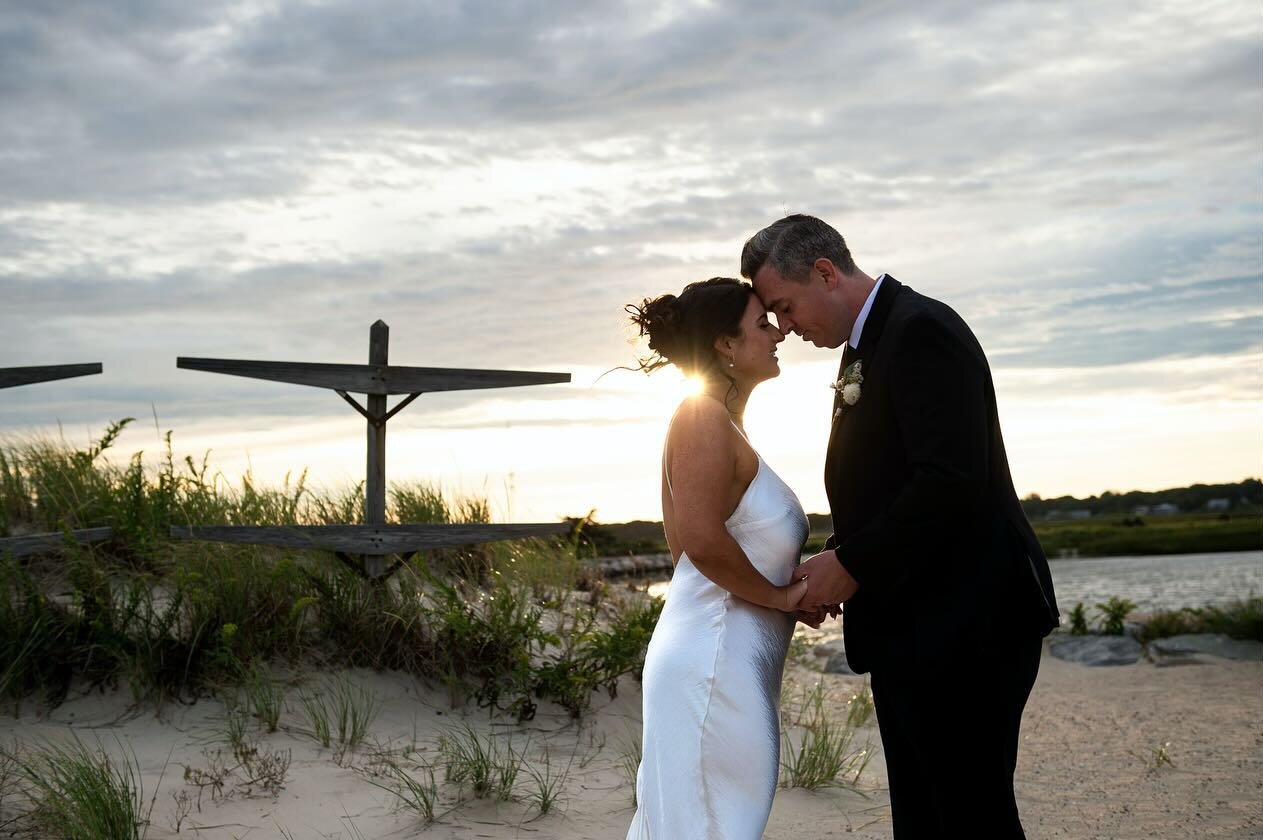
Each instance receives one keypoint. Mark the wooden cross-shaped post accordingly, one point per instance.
(376, 380)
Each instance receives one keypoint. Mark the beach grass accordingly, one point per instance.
(504, 625)
(488, 765)
(417, 795)
(76, 792)
(631, 751)
(547, 782)
(820, 751)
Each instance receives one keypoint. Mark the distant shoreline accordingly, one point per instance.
(1062, 539)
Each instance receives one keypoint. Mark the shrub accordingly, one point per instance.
(1240, 619)
(1079, 620)
(1113, 613)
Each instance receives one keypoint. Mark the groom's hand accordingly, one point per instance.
(813, 618)
(828, 581)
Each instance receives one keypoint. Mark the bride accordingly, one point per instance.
(712, 679)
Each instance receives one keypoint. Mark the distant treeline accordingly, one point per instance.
(1246, 494)
(1104, 525)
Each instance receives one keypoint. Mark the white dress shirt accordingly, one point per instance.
(854, 340)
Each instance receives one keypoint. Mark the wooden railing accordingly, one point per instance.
(27, 544)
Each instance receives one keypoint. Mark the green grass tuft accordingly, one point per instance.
(78, 793)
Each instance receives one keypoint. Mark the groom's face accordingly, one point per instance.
(802, 307)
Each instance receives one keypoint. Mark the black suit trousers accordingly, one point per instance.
(951, 739)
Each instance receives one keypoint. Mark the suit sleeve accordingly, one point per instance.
(938, 393)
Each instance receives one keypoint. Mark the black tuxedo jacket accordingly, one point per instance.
(925, 516)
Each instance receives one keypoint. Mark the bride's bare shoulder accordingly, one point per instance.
(698, 417)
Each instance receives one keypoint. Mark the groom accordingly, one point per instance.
(946, 591)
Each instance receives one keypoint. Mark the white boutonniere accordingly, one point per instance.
(849, 386)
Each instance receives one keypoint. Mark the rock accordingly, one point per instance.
(1096, 651)
(837, 664)
(1211, 644)
(825, 649)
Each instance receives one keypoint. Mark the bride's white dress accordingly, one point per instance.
(712, 685)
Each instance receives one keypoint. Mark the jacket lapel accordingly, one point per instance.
(878, 315)
(873, 326)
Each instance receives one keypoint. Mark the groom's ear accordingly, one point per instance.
(825, 270)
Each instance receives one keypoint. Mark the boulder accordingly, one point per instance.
(1207, 644)
(837, 664)
(1096, 651)
(827, 649)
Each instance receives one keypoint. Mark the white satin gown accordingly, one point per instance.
(712, 685)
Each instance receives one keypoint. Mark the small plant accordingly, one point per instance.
(799, 650)
(1158, 757)
(238, 729)
(266, 770)
(547, 783)
(344, 710)
(629, 756)
(213, 778)
(595, 744)
(1113, 613)
(1079, 620)
(489, 769)
(265, 698)
(418, 796)
(79, 793)
(183, 808)
(860, 709)
(825, 755)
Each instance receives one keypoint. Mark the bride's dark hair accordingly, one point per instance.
(682, 329)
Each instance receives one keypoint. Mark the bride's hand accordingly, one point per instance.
(792, 594)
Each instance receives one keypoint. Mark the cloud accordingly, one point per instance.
(264, 180)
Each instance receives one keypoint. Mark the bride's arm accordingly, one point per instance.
(702, 460)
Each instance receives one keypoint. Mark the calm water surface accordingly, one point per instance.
(1165, 582)
(1162, 582)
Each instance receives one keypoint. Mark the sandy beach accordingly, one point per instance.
(1090, 764)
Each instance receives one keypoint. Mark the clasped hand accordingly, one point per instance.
(829, 585)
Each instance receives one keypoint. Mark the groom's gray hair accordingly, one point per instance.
(792, 245)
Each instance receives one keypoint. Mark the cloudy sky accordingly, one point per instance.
(1082, 181)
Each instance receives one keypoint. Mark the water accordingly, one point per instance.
(1161, 582)
(1164, 582)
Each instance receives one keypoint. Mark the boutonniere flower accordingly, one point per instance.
(849, 386)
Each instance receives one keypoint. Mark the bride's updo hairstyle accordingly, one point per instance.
(682, 329)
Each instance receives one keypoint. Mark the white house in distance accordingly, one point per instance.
(1165, 509)
(1218, 504)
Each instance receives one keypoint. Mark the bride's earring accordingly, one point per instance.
(731, 363)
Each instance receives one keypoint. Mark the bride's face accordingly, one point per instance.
(753, 353)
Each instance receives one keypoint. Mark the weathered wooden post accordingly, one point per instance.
(28, 544)
(373, 539)
(375, 481)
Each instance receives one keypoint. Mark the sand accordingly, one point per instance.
(1086, 770)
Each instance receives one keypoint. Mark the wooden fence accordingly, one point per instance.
(26, 544)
